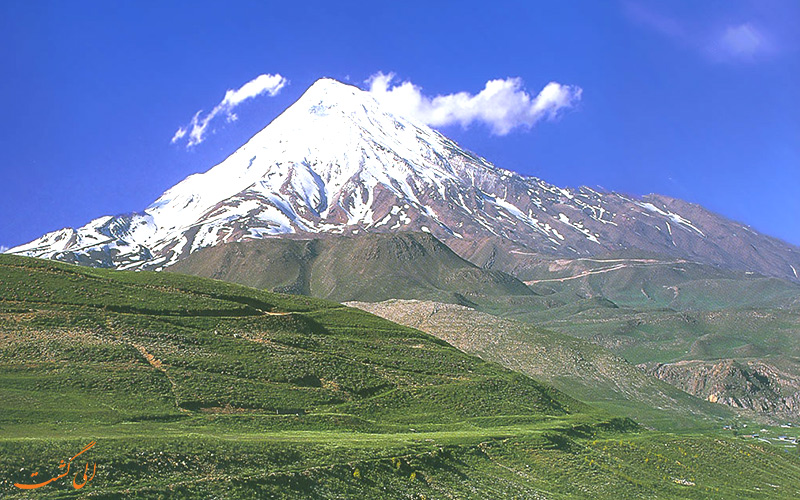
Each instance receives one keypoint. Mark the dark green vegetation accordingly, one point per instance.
(370, 267)
(197, 388)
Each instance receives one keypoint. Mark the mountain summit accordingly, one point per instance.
(337, 162)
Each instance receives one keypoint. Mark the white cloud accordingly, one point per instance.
(3, 248)
(744, 41)
(197, 128)
(724, 43)
(502, 104)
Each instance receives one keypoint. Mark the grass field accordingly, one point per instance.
(194, 388)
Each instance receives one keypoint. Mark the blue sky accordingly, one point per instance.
(698, 100)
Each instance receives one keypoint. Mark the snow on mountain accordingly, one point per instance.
(336, 162)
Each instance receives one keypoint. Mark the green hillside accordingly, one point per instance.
(645, 308)
(194, 388)
(369, 267)
(580, 368)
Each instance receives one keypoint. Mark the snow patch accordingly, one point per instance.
(578, 226)
(672, 216)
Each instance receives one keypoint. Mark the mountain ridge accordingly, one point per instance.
(336, 162)
(372, 267)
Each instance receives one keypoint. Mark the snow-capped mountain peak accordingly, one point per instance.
(334, 136)
(337, 162)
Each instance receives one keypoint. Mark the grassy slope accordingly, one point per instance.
(663, 311)
(645, 308)
(194, 388)
(370, 267)
(652, 310)
(581, 369)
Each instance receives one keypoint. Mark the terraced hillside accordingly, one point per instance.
(196, 388)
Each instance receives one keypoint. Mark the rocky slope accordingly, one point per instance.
(757, 385)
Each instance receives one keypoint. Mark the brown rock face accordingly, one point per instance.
(754, 385)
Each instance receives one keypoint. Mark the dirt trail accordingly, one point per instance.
(156, 363)
(616, 267)
(580, 275)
